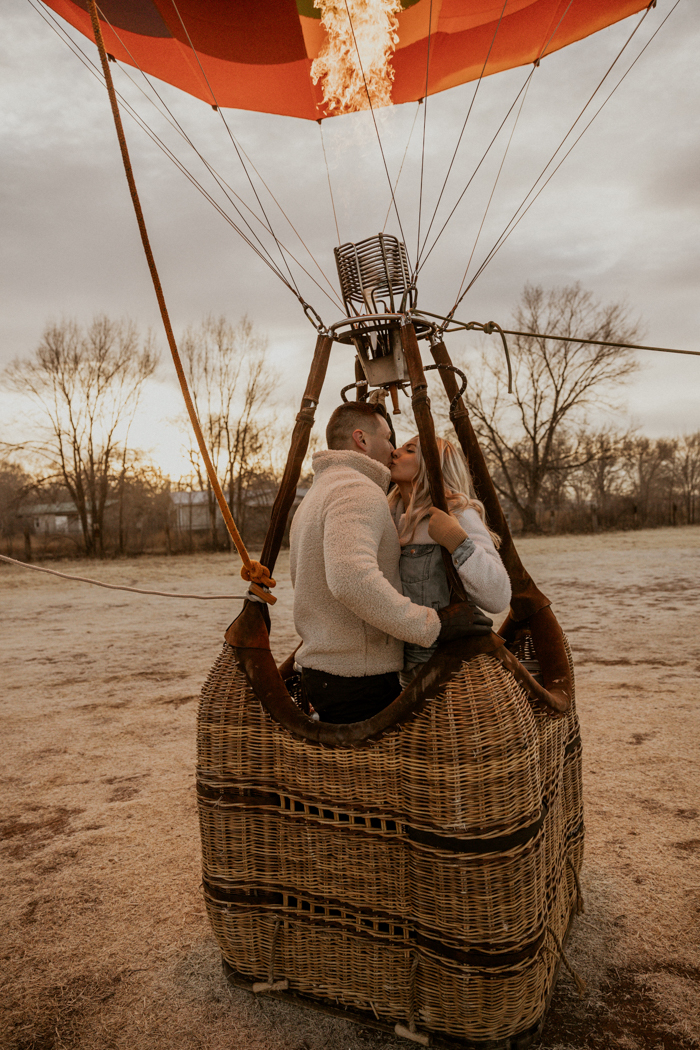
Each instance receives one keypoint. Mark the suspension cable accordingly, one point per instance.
(515, 218)
(222, 183)
(239, 150)
(93, 69)
(234, 143)
(328, 174)
(493, 190)
(464, 125)
(120, 587)
(403, 160)
(260, 251)
(425, 118)
(525, 87)
(374, 121)
(257, 573)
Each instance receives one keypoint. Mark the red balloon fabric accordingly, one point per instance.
(257, 54)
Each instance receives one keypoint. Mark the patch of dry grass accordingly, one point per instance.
(105, 942)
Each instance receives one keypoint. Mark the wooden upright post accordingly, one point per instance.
(528, 603)
(428, 444)
(297, 451)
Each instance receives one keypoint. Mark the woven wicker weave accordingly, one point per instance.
(418, 878)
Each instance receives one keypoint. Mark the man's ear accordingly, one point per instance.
(358, 439)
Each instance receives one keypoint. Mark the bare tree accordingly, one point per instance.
(85, 385)
(648, 465)
(535, 437)
(15, 485)
(687, 473)
(233, 388)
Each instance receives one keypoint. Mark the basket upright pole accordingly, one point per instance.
(426, 432)
(528, 603)
(527, 597)
(297, 450)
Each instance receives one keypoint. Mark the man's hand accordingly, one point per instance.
(445, 530)
(461, 620)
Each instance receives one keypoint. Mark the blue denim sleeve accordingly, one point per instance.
(464, 551)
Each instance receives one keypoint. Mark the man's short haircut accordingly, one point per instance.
(354, 415)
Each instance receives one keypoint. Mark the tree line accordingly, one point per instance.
(554, 471)
(76, 485)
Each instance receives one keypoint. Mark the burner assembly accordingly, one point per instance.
(378, 291)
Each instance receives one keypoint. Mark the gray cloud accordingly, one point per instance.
(619, 216)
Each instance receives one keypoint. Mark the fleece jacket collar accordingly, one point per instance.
(335, 459)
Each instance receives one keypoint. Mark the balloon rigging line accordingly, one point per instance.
(459, 140)
(453, 324)
(374, 121)
(493, 190)
(235, 145)
(223, 184)
(513, 223)
(602, 342)
(261, 252)
(456, 325)
(92, 68)
(256, 572)
(425, 118)
(403, 161)
(523, 88)
(328, 175)
(117, 587)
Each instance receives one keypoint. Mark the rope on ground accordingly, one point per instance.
(271, 985)
(260, 577)
(580, 904)
(119, 587)
(578, 981)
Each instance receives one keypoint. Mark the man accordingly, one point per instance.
(344, 559)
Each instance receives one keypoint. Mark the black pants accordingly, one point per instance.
(338, 699)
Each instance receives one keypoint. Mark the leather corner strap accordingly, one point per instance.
(248, 635)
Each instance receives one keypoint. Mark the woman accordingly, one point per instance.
(424, 530)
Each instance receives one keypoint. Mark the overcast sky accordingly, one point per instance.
(621, 215)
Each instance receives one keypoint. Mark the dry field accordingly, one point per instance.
(105, 945)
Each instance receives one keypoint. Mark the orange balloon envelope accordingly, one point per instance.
(258, 54)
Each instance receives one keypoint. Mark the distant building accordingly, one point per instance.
(191, 509)
(52, 519)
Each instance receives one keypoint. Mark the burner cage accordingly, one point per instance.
(375, 278)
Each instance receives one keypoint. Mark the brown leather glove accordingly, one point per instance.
(445, 530)
(462, 619)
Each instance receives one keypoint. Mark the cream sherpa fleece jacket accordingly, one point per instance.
(344, 562)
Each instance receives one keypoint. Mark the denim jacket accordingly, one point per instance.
(424, 581)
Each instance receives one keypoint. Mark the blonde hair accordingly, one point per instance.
(459, 490)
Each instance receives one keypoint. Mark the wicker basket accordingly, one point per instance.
(423, 878)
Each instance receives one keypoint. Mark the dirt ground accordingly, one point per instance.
(105, 944)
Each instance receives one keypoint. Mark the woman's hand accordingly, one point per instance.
(445, 529)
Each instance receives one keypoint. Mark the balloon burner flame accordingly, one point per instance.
(354, 64)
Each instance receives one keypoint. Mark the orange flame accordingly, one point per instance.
(356, 58)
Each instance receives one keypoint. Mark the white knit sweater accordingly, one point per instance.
(483, 573)
(344, 562)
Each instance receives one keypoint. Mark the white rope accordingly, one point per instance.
(117, 587)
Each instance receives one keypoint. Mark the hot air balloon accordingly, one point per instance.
(417, 871)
